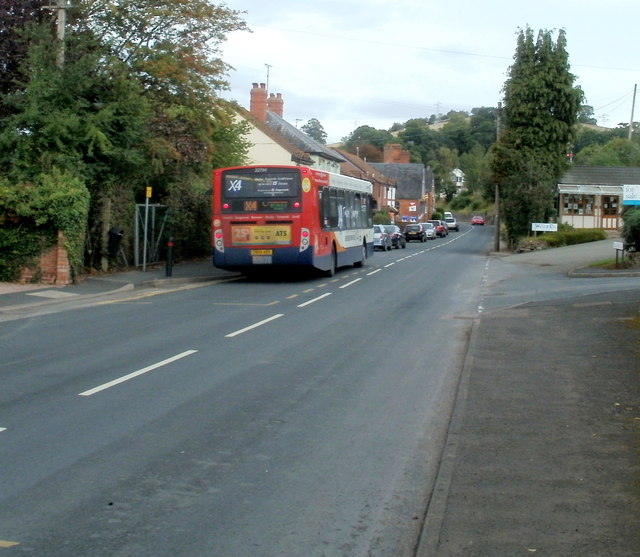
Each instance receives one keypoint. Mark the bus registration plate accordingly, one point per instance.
(261, 252)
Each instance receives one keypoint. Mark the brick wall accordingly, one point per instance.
(52, 268)
(394, 153)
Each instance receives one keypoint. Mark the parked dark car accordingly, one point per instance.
(441, 228)
(397, 237)
(415, 232)
(381, 238)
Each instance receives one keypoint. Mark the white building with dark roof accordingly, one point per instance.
(592, 196)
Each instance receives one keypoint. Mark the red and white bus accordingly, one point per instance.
(290, 216)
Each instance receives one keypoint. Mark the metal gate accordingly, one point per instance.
(149, 229)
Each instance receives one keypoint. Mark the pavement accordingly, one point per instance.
(543, 451)
(14, 297)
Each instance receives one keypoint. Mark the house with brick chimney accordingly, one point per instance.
(414, 184)
(275, 141)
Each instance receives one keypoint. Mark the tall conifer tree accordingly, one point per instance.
(541, 110)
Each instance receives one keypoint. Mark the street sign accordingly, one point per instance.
(544, 226)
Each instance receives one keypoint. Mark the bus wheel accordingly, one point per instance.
(364, 256)
(332, 269)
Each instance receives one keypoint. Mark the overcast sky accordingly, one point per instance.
(350, 63)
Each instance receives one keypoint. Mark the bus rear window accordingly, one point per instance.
(261, 190)
(250, 185)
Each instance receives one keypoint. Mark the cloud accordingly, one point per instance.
(379, 62)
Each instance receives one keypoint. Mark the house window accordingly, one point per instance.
(610, 205)
(578, 204)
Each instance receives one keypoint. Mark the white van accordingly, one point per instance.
(448, 215)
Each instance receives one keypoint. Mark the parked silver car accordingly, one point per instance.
(381, 238)
(452, 223)
(429, 230)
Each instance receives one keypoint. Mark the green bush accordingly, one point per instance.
(631, 227)
(54, 201)
(382, 217)
(462, 201)
(574, 236)
(19, 247)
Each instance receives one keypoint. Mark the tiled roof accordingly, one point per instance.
(300, 139)
(601, 175)
(299, 155)
(414, 179)
(358, 168)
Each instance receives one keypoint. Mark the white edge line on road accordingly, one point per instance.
(314, 300)
(352, 282)
(240, 331)
(3, 429)
(374, 272)
(136, 373)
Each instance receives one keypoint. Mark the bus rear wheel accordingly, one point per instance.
(364, 256)
(333, 264)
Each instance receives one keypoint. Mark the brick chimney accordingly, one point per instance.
(394, 153)
(276, 104)
(258, 105)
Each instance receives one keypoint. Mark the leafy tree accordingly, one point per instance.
(445, 161)
(79, 122)
(475, 165)
(313, 128)
(421, 140)
(586, 115)
(616, 152)
(631, 226)
(135, 105)
(15, 16)
(367, 135)
(587, 136)
(483, 126)
(456, 133)
(172, 45)
(541, 110)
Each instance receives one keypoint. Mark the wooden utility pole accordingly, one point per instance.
(633, 106)
(61, 8)
(496, 236)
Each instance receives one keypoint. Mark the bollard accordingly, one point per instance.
(169, 268)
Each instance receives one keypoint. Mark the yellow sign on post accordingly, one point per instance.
(148, 194)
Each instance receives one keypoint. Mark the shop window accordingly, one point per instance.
(578, 204)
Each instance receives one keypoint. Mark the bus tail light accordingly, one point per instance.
(218, 240)
(305, 238)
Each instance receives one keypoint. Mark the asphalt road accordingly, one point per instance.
(264, 417)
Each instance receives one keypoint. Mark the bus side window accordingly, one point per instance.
(372, 206)
(333, 208)
(342, 221)
(360, 211)
(325, 208)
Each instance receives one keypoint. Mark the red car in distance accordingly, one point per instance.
(477, 220)
(441, 228)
